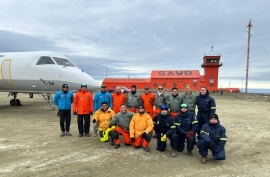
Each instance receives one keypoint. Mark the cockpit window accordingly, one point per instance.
(45, 60)
(62, 61)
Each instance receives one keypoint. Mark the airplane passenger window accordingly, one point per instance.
(45, 60)
(62, 61)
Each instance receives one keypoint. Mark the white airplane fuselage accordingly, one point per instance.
(40, 72)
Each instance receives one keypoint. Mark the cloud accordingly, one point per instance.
(131, 38)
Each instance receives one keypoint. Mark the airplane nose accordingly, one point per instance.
(90, 81)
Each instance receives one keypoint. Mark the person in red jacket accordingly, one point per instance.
(83, 107)
(118, 98)
(148, 100)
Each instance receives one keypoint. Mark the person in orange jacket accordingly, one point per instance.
(118, 98)
(148, 100)
(83, 107)
(140, 129)
(103, 117)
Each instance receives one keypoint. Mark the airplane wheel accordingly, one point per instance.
(12, 102)
(18, 102)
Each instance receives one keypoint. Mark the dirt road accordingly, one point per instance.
(30, 145)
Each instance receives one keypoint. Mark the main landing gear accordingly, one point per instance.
(14, 101)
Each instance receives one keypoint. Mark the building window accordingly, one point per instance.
(211, 77)
(211, 84)
(155, 84)
(194, 84)
(195, 80)
(163, 85)
(175, 85)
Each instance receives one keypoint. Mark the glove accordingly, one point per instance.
(91, 113)
(132, 140)
(94, 121)
(144, 135)
(74, 113)
(189, 134)
(212, 145)
(163, 138)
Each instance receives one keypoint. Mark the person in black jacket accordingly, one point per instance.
(186, 127)
(206, 106)
(213, 137)
(165, 128)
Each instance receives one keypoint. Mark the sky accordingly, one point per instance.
(123, 38)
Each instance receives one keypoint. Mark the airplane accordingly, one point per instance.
(40, 72)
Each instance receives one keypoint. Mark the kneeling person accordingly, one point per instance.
(164, 127)
(103, 117)
(121, 120)
(213, 137)
(186, 127)
(140, 129)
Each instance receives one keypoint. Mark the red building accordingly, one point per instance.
(176, 78)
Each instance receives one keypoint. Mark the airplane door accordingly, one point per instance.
(5, 72)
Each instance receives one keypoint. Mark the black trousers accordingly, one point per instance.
(161, 145)
(83, 123)
(65, 118)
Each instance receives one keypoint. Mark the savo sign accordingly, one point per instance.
(175, 73)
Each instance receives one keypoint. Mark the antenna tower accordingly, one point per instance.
(248, 48)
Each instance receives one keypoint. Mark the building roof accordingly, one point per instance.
(126, 80)
(175, 74)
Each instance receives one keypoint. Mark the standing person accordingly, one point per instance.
(186, 127)
(221, 92)
(148, 100)
(160, 100)
(102, 117)
(165, 128)
(140, 129)
(63, 99)
(206, 107)
(102, 96)
(83, 107)
(190, 98)
(213, 137)
(118, 98)
(121, 120)
(133, 100)
(174, 100)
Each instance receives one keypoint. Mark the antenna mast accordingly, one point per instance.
(248, 47)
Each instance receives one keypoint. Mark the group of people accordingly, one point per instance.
(140, 117)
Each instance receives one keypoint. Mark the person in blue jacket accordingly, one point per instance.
(164, 128)
(186, 127)
(213, 137)
(63, 99)
(100, 97)
(206, 106)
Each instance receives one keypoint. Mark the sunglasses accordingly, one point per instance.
(65, 87)
(160, 88)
